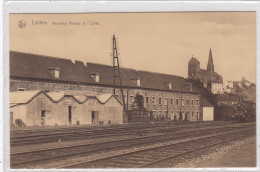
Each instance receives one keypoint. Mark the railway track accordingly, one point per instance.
(20, 160)
(64, 130)
(162, 156)
(82, 133)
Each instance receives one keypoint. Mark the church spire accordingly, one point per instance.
(210, 66)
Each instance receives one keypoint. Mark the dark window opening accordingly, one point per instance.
(93, 117)
(43, 113)
(70, 114)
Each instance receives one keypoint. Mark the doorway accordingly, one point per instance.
(43, 114)
(69, 114)
(11, 118)
(186, 116)
(94, 117)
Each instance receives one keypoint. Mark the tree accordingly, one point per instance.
(138, 102)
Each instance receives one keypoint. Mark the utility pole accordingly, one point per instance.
(116, 72)
(180, 114)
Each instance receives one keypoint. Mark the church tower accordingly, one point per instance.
(193, 68)
(210, 66)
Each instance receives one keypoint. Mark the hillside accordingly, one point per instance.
(249, 94)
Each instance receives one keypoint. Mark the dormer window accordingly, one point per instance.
(94, 76)
(170, 85)
(191, 87)
(55, 72)
(137, 81)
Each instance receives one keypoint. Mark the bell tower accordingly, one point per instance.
(193, 68)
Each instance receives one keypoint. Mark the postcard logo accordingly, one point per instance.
(21, 24)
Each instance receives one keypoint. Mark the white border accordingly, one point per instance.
(109, 6)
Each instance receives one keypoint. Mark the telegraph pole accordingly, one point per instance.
(180, 114)
(116, 71)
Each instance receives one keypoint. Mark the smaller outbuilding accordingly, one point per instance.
(30, 108)
(38, 108)
(206, 110)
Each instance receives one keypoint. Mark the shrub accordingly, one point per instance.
(19, 122)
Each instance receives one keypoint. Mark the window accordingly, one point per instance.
(94, 76)
(131, 99)
(182, 101)
(154, 100)
(154, 113)
(166, 113)
(171, 100)
(198, 116)
(177, 101)
(160, 101)
(160, 113)
(56, 73)
(170, 85)
(147, 100)
(117, 95)
(188, 102)
(21, 89)
(138, 82)
(192, 114)
(166, 101)
(192, 102)
(197, 102)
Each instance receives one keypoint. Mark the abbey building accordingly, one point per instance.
(210, 79)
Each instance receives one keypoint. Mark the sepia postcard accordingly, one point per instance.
(132, 90)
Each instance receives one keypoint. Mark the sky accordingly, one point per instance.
(157, 42)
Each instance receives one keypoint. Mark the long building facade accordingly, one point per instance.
(164, 95)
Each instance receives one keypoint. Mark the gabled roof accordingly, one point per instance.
(207, 78)
(103, 97)
(24, 97)
(57, 95)
(24, 65)
(18, 97)
(80, 98)
(204, 102)
(37, 66)
(194, 60)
